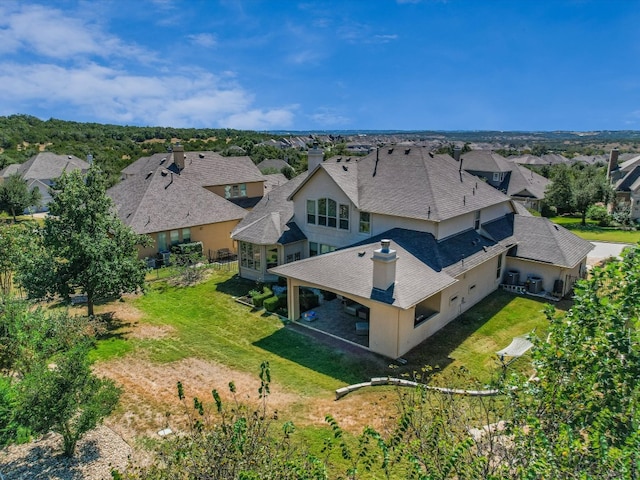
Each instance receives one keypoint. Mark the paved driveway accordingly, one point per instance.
(604, 250)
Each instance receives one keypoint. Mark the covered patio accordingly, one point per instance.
(332, 318)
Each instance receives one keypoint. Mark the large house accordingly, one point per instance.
(185, 197)
(408, 237)
(41, 170)
(518, 182)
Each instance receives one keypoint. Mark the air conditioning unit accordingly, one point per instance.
(535, 284)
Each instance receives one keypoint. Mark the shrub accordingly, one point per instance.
(259, 298)
(548, 210)
(597, 213)
(272, 304)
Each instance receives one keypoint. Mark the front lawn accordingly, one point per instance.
(594, 233)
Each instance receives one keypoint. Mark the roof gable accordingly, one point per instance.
(48, 165)
(163, 200)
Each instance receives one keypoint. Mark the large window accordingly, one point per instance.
(365, 222)
(175, 237)
(162, 241)
(250, 255)
(319, 249)
(328, 213)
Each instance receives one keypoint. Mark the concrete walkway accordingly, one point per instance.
(604, 250)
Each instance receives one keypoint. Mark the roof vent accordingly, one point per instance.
(149, 174)
(339, 159)
(69, 157)
(164, 172)
(391, 150)
(201, 155)
(163, 160)
(431, 154)
(345, 168)
(406, 151)
(348, 159)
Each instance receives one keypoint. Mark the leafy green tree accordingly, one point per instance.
(559, 192)
(15, 196)
(14, 240)
(83, 246)
(589, 186)
(65, 397)
(579, 418)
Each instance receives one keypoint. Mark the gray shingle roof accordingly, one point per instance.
(526, 183)
(273, 180)
(626, 183)
(203, 168)
(539, 239)
(210, 168)
(406, 181)
(276, 163)
(47, 165)
(424, 266)
(163, 200)
(269, 221)
(485, 161)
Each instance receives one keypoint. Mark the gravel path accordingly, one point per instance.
(96, 454)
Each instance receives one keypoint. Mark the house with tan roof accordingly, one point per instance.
(41, 170)
(407, 239)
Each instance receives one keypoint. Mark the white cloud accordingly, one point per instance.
(203, 39)
(328, 117)
(52, 33)
(115, 96)
(55, 64)
(260, 119)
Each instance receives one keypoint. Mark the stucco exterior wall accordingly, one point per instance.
(254, 189)
(322, 186)
(460, 223)
(382, 223)
(548, 273)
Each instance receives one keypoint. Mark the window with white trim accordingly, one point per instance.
(327, 212)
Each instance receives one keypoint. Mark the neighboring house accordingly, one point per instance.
(273, 180)
(236, 179)
(625, 178)
(518, 182)
(41, 170)
(172, 210)
(272, 164)
(405, 235)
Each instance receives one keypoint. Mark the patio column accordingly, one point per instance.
(293, 300)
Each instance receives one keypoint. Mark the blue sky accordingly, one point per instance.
(313, 65)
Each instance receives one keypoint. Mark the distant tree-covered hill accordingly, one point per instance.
(114, 147)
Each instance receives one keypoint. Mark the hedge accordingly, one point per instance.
(258, 300)
(273, 303)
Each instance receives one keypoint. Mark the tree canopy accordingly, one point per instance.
(15, 196)
(83, 247)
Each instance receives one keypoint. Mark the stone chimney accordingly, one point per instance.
(178, 157)
(314, 156)
(384, 266)
(613, 163)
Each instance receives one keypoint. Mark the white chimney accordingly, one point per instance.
(315, 156)
(384, 266)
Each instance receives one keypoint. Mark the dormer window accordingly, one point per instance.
(235, 191)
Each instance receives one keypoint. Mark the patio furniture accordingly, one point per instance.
(309, 316)
(362, 328)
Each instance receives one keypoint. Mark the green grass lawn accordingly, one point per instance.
(592, 232)
(471, 340)
(210, 325)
